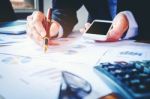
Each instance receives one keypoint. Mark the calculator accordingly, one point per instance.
(129, 79)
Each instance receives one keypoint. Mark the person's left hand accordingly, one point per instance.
(119, 27)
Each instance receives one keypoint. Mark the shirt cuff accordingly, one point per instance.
(133, 26)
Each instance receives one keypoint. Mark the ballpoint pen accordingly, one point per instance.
(47, 28)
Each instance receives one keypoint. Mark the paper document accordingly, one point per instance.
(68, 50)
(29, 71)
(24, 77)
(133, 52)
(10, 39)
(13, 27)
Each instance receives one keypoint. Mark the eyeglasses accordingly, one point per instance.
(73, 87)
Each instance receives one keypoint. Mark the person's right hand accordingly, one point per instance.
(36, 29)
(85, 28)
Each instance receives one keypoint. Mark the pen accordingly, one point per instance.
(47, 27)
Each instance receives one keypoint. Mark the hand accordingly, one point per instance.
(119, 26)
(36, 30)
(86, 26)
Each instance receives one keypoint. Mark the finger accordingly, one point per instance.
(37, 15)
(36, 37)
(87, 25)
(32, 33)
(28, 29)
(120, 22)
(82, 30)
(29, 18)
(120, 25)
(40, 28)
(54, 29)
(37, 19)
(113, 35)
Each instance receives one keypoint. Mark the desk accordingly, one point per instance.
(27, 73)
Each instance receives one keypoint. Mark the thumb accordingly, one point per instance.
(87, 25)
(112, 36)
(54, 29)
(120, 25)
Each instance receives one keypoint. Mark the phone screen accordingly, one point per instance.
(100, 28)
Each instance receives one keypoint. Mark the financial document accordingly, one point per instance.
(27, 72)
(128, 52)
(25, 68)
(26, 78)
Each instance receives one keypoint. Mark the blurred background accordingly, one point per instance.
(82, 14)
(31, 5)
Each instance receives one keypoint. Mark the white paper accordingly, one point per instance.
(39, 72)
(69, 50)
(27, 72)
(128, 52)
(14, 27)
(27, 80)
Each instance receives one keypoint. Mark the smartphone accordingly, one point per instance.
(98, 30)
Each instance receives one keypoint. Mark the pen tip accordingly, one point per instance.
(45, 48)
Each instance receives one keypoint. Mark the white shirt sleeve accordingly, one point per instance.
(133, 26)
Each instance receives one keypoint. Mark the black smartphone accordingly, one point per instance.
(98, 30)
